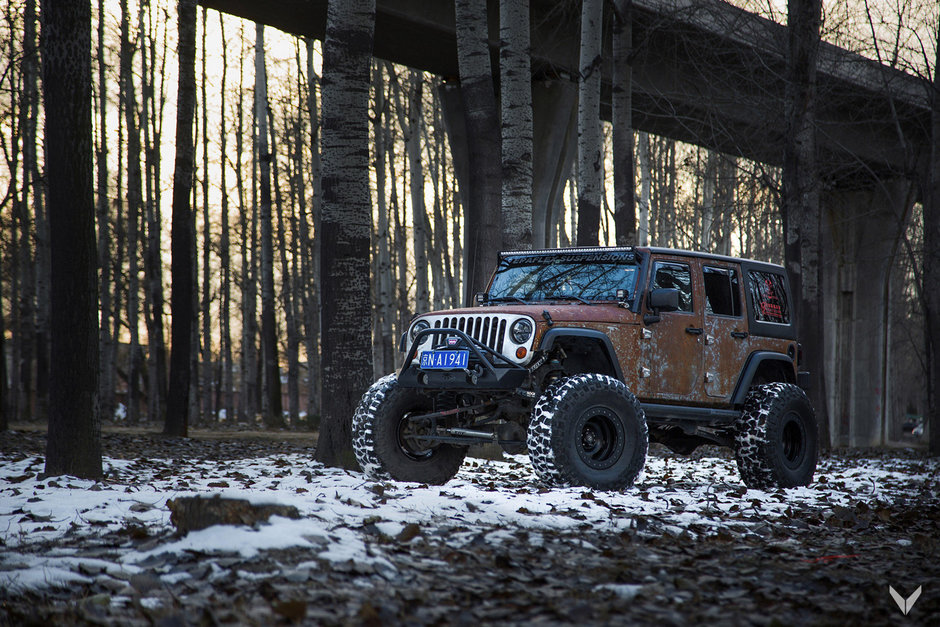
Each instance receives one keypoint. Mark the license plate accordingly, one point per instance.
(444, 360)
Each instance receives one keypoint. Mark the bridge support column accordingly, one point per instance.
(554, 144)
(860, 239)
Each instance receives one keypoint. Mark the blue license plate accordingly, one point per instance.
(444, 360)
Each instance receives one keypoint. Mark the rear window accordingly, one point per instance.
(769, 295)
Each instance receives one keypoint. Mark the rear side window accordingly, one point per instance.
(722, 293)
(667, 274)
(769, 296)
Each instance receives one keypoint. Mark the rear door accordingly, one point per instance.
(726, 341)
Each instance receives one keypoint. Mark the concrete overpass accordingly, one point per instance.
(710, 74)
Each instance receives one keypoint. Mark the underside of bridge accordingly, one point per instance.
(711, 75)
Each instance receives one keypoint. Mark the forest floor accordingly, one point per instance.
(688, 544)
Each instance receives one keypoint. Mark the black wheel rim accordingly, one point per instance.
(599, 438)
(793, 441)
(412, 448)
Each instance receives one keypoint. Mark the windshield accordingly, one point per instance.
(576, 277)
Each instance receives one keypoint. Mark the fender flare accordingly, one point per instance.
(552, 335)
(754, 361)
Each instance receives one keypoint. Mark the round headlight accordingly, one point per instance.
(417, 327)
(520, 331)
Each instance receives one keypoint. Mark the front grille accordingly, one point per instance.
(487, 330)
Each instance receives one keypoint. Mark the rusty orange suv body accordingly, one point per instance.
(683, 336)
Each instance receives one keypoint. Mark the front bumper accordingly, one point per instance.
(486, 369)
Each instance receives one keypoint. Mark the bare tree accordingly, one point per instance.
(271, 379)
(287, 300)
(515, 97)
(106, 382)
(182, 242)
(646, 182)
(383, 266)
(248, 407)
(205, 373)
(225, 329)
(153, 259)
(312, 260)
(134, 201)
(590, 150)
(346, 224)
(411, 120)
(74, 439)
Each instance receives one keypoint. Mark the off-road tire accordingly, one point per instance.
(588, 430)
(379, 449)
(776, 439)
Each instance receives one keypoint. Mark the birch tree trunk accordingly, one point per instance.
(401, 257)
(709, 182)
(515, 97)
(271, 378)
(801, 195)
(646, 182)
(225, 261)
(74, 437)
(347, 214)
(622, 114)
(182, 244)
(727, 186)
(384, 295)
(411, 119)
(589, 124)
(482, 212)
(153, 266)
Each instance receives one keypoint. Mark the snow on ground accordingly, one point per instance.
(341, 511)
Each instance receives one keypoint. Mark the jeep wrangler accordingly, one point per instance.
(582, 356)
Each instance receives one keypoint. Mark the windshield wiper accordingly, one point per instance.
(568, 297)
(506, 299)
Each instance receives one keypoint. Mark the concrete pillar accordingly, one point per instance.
(456, 127)
(861, 231)
(554, 146)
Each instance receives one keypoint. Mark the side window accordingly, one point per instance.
(722, 296)
(667, 274)
(769, 296)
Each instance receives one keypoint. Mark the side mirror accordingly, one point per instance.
(480, 297)
(664, 299)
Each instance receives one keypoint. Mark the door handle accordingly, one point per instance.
(739, 334)
(693, 331)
